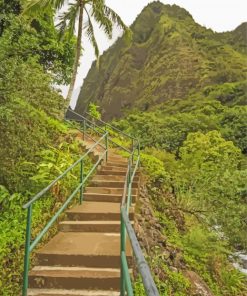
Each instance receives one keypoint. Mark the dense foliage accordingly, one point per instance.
(35, 146)
(201, 112)
(199, 200)
(194, 154)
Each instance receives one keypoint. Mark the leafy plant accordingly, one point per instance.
(93, 111)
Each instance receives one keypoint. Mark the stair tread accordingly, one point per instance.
(91, 222)
(84, 243)
(75, 272)
(106, 194)
(113, 167)
(109, 173)
(113, 177)
(62, 292)
(94, 207)
(103, 194)
(104, 189)
(113, 181)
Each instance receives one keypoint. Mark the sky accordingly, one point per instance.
(219, 15)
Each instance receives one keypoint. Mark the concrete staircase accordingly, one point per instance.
(84, 257)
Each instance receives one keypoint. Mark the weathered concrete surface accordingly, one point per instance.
(90, 210)
(63, 292)
(101, 197)
(108, 190)
(64, 278)
(90, 226)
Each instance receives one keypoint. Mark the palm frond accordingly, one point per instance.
(100, 17)
(58, 4)
(34, 7)
(91, 36)
(68, 20)
(116, 20)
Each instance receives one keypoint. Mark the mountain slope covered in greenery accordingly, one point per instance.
(170, 57)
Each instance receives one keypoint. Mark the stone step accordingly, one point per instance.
(112, 178)
(71, 292)
(111, 184)
(99, 197)
(89, 211)
(74, 278)
(94, 250)
(107, 167)
(90, 226)
(115, 172)
(110, 172)
(108, 190)
(97, 151)
(112, 157)
(116, 164)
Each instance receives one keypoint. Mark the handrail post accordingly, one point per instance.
(81, 181)
(84, 129)
(27, 251)
(129, 174)
(139, 153)
(122, 250)
(106, 146)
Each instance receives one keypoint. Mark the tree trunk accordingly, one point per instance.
(77, 54)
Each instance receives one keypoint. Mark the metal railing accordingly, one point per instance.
(88, 126)
(29, 246)
(126, 227)
(102, 126)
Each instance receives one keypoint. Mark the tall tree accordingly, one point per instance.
(85, 11)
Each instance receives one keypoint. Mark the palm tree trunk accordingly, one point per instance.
(77, 54)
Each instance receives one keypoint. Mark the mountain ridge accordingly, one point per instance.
(169, 57)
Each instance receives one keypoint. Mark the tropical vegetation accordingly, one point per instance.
(75, 15)
(178, 87)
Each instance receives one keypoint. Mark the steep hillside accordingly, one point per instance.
(237, 38)
(170, 56)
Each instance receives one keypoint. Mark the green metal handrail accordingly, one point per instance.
(111, 126)
(29, 246)
(84, 119)
(126, 227)
(142, 266)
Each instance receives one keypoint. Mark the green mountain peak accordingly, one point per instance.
(170, 56)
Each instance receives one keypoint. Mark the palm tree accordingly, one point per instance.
(104, 16)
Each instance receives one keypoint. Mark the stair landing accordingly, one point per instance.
(83, 259)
